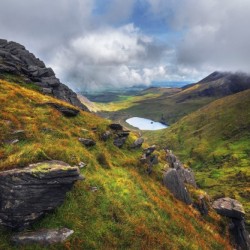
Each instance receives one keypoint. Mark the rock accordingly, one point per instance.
(119, 141)
(187, 175)
(116, 126)
(137, 143)
(19, 133)
(29, 193)
(234, 210)
(201, 205)
(42, 237)
(229, 207)
(123, 133)
(87, 142)
(105, 136)
(175, 185)
(82, 164)
(47, 91)
(51, 81)
(149, 150)
(66, 111)
(15, 59)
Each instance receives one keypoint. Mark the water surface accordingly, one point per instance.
(145, 124)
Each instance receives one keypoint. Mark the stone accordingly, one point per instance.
(51, 81)
(105, 136)
(119, 141)
(137, 143)
(149, 150)
(87, 142)
(173, 182)
(187, 175)
(66, 111)
(229, 207)
(82, 164)
(201, 205)
(29, 193)
(116, 126)
(47, 91)
(123, 133)
(234, 210)
(42, 237)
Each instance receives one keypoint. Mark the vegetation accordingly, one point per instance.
(127, 209)
(215, 141)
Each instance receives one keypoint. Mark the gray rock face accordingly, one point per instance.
(105, 136)
(29, 193)
(116, 126)
(234, 210)
(42, 237)
(87, 142)
(137, 143)
(15, 59)
(119, 141)
(66, 111)
(173, 181)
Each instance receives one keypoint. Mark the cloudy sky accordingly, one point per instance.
(95, 44)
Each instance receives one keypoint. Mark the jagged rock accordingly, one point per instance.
(123, 133)
(149, 150)
(229, 207)
(119, 141)
(201, 205)
(68, 112)
(234, 210)
(15, 59)
(187, 175)
(137, 143)
(116, 126)
(105, 136)
(29, 193)
(42, 237)
(47, 91)
(87, 142)
(175, 185)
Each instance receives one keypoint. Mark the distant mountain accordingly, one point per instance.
(218, 84)
(16, 60)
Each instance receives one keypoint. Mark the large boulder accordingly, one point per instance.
(29, 193)
(229, 207)
(42, 237)
(175, 184)
(234, 210)
(137, 143)
(66, 111)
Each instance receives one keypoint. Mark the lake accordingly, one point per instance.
(145, 124)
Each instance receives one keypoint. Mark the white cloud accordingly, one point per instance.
(111, 57)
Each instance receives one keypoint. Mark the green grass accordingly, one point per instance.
(129, 210)
(215, 141)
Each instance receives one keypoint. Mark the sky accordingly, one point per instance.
(97, 44)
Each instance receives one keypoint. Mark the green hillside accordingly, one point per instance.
(128, 210)
(215, 141)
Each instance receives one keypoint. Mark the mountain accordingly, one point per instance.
(118, 206)
(215, 142)
(15, 60)
(171, 104)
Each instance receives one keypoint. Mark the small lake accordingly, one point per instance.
(145, 124)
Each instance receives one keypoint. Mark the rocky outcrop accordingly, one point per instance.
(29, 193)
(234, 210)
(149, 158)
(42, 237)
(137, 143)
(173, 182)
(15, 59)
(87, 142)
(66, 111)
(120, 134)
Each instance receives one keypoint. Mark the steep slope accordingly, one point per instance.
(118, 206)
(15, 59)
(215, 141)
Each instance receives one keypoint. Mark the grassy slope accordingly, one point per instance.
(130, 210)
(215, 141)
(154, 103)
